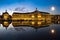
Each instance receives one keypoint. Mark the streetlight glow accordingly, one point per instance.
(52, 8)
(52, 31)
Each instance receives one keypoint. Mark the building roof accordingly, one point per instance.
(5, 12)
(36, 11)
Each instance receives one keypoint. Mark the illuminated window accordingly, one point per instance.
(6, 16)
(39, 22)
(43, 18)
(33, 22)
(39, 16)
(33, 16)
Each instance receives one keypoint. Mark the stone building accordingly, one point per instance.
(35, 18)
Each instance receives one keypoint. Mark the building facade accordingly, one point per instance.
(5, 19)
(35, 18)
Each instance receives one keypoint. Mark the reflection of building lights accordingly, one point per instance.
(6, 23)
(39, 22)
(39, 16)
(52, 31)
(33, 22)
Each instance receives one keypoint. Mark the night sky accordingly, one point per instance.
(30, 5)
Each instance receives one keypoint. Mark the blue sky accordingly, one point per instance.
(42, 5)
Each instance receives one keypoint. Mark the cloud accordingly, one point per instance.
(17, 8)
(22, 9)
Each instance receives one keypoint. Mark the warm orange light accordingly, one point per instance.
(33, 22)
(33, 16)
(5, 16)
(43, 18)
(39, 23)
(24, 18)
(6, 23)
(39, 16)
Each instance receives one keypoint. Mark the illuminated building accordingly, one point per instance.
(33, 19)
(6, 19)
(6, 16)
(5, 24)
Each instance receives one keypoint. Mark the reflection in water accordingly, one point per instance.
(52, 31)
(30, 23)
(6, 23)
(27, 31)
(35, 24)
(34, 19)
(25, 25)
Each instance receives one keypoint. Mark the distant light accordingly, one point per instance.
(52, 8)
(52, 31)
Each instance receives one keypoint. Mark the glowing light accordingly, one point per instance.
(24, 18)
(33, 16)
(39, 22)
(33, 22)
(52, 8)
(5, 16)
(52, 31)
(39, 16)
(6, 23)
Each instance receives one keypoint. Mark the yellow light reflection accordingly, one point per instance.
(39, 16)
(39, 23)
(5, 23)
